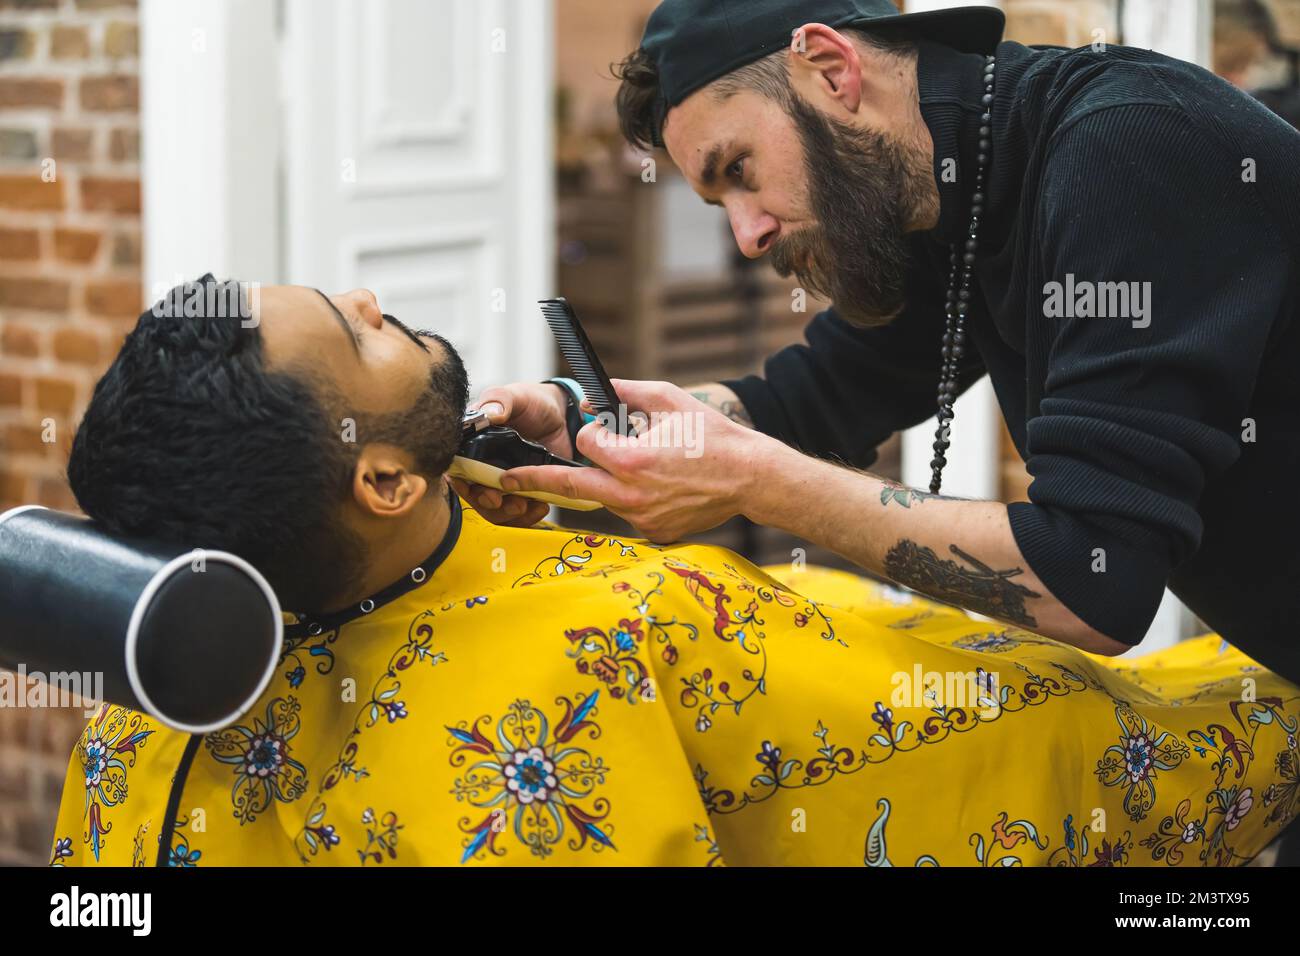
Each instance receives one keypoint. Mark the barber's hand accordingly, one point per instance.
(687, 472)
(535, 410)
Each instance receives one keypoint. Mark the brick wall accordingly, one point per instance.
(69, 290)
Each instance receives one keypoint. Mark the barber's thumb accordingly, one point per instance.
(644, 396)
(591, 442)
(495, 405)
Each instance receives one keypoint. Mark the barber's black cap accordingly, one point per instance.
(693, 42)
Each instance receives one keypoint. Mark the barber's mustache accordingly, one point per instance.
(803, 255)
(792, 253)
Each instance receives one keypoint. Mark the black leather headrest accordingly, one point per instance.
(191, 637)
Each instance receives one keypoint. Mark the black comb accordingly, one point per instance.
(581, 356)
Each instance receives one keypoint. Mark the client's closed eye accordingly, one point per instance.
(415, 335)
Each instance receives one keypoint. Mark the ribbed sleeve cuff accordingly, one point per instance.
(1121, 601)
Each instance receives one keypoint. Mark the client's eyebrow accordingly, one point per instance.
(347, 326)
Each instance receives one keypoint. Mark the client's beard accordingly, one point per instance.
(430, 430)
(863, 190)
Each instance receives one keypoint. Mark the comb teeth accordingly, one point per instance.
(579, 353)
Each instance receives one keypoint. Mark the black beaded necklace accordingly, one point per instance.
(958, 300)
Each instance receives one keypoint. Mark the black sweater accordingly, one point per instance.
(1115, 166)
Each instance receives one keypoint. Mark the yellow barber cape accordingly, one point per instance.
(552, 697)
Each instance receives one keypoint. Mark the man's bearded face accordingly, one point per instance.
(862, 188)
(430, 427)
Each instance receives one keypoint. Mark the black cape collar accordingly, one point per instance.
(310, 624)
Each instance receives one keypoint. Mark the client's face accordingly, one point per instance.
(372, 360)
(403, 392)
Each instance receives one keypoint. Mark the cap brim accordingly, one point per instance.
(974, 29)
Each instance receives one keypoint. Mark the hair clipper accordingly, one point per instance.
(486, 450)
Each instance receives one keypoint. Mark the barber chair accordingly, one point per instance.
(190, 637)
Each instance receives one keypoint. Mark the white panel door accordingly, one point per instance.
(418, 164)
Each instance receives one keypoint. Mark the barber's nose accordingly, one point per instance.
(366, 305)
(754, 232)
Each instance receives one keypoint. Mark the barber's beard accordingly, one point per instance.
(862, 190)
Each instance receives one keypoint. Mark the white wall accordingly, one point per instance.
(210, 140)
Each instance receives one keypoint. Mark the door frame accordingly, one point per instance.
(215, 75)
(210, 142)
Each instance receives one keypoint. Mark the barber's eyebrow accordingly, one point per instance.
(347, 326)
(709, 170)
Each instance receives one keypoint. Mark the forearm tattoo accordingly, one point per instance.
(732, 409)
(894, 491)
(974, 585)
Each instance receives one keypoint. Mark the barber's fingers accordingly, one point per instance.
(591, 484)
(501, 508)
(498, 402)
(623, 456)
(533, 512)
(481, 497)
(534, 409)
(649, 396)
(519, 400)
(589, 444)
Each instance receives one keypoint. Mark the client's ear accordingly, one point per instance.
(384, 484)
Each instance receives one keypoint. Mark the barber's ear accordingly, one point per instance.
(825, 62)
(383, 484)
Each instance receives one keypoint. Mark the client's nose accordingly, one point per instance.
(366, 305)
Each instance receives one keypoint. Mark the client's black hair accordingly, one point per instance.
(191, 440)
